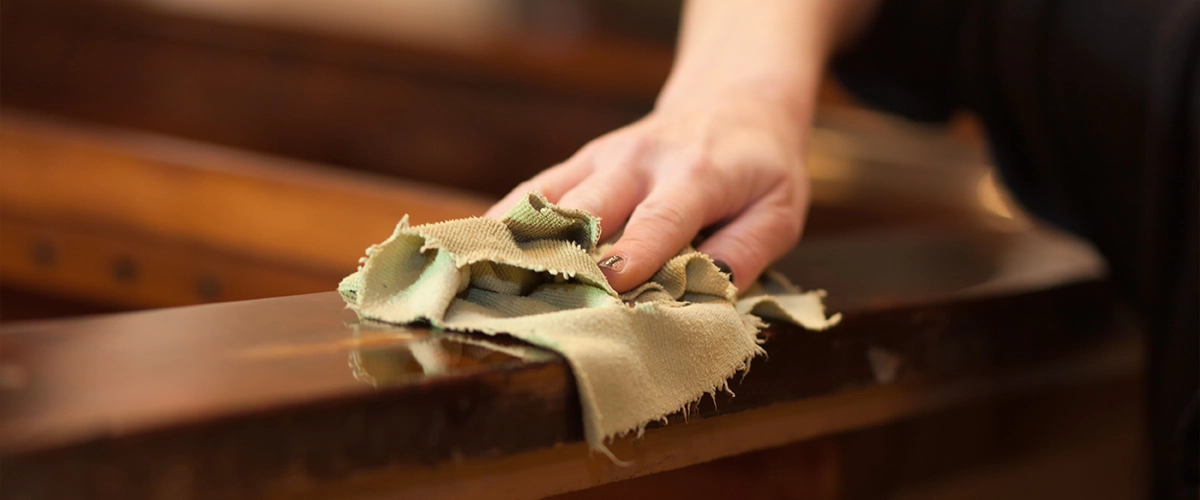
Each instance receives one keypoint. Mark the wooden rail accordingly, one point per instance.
(142, 220)
(294, 397)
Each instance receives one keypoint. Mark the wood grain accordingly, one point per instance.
(134, 271)
(540, 473)
(181, 190)
(138, 220)
(258, 397)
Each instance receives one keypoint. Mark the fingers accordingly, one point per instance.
(759, 236)
(617, 183)
(609, 195)
(551, 183)
(660, 226)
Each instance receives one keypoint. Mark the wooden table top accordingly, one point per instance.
(246, 393)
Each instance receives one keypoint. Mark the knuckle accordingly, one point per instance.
(585, 199)
(592, 146)
(783, 232)
(694, 159)
(660, 224)
(562, 171)
(665, 216)
(617, 155)
(700, 165)
(789, 226)
(773, 238)
(741, 250)
(637, 145)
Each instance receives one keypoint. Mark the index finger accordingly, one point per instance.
(660, 226)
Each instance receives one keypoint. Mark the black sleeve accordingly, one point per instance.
(906, 61)
(1092, 109)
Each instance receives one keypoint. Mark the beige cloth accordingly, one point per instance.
(637, 357)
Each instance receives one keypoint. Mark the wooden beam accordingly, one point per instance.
(114, 267)
(144, 220)
(282, 396)
(540, 473)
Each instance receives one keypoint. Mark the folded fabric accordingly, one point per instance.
(637, 357)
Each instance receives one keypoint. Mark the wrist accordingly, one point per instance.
(794, 94)
(774, 51)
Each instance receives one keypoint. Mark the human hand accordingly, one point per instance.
(733, 164)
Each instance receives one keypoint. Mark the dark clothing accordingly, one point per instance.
(1092, 108)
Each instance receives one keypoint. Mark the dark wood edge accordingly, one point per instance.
(534, 406)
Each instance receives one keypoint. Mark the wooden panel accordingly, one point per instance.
(810, 470)
(1068, 441)
(1077, 441)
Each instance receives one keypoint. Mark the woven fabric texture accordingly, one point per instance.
(637, 357)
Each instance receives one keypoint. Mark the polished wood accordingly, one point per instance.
(178, 189)
(1070, 441)
(293, 396)
(138, 220)
(1074, 441)
(811, 470)
(118, 269)
(567, 468)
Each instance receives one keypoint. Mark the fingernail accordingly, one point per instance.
(724, 267)
(613, 262)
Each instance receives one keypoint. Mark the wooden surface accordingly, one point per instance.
(1067, 441)
(1073, 441)
(141, 220)
(291, 396)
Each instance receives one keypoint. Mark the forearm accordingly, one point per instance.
(774, 49)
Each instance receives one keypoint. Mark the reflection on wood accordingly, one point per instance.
(436, 356)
